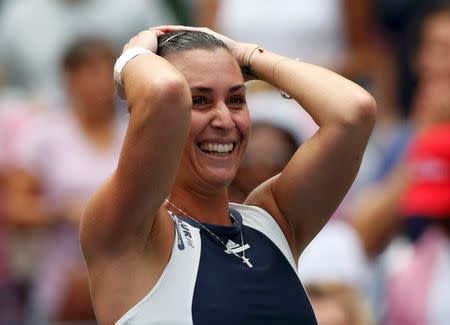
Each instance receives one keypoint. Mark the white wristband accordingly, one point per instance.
(123, 59)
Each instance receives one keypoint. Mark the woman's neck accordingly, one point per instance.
(206, 208)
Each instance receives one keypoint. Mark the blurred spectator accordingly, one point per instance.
(34, 34)
(426, 200)
(376, 210)
(376, 213)
(339, 304)
(276, 135)
(61, 159)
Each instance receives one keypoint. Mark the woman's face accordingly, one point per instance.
(220, 120)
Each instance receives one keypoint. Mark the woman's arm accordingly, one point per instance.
(307, 192)
(121, 213)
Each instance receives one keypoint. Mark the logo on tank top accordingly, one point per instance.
(183, 231)
(234, 248)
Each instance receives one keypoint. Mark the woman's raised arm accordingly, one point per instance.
(122, 211)
(308, 191)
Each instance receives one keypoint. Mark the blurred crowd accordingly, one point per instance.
(384, 257)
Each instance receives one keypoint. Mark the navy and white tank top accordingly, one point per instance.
(203, 284)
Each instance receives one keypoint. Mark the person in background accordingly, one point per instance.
(425, 209)
(394, 234)
(59, 161)
(376, 210)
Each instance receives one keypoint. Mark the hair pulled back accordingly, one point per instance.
(178, 41)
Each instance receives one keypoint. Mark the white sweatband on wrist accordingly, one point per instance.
(123, 59)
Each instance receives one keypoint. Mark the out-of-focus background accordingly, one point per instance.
(384, 258)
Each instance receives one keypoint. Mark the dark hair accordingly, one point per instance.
(174, 42)
(409, 43)
(427, 10)
(83, 49)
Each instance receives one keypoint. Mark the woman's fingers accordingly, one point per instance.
(147, 39)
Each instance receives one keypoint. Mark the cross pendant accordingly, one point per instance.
(245, 260)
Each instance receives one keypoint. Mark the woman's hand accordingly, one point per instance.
(240, 51)
(147, 39)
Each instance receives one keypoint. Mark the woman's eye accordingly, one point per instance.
(237, 100)
(199, 100)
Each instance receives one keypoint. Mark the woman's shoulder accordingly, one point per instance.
(253, 215)
(247, 208)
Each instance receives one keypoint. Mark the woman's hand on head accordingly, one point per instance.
(240, 51)
(147, 39)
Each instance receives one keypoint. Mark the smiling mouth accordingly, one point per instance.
(217, 149)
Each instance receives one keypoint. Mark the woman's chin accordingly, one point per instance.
(219, 178)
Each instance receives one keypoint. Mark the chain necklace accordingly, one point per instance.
(229, 250)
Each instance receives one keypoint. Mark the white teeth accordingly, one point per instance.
(217, 147)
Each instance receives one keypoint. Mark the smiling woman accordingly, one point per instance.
(220, 120)
(161, 241)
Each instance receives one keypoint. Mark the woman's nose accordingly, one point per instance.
(222, 117)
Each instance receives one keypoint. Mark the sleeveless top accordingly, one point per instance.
(203, 284)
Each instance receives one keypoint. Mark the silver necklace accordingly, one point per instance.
(230, 247)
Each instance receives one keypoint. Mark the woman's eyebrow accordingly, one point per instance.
(236, 88)
(203, 89)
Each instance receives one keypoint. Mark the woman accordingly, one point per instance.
(161, 241)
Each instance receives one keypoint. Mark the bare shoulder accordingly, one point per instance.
(119, 281)
(262, 197)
